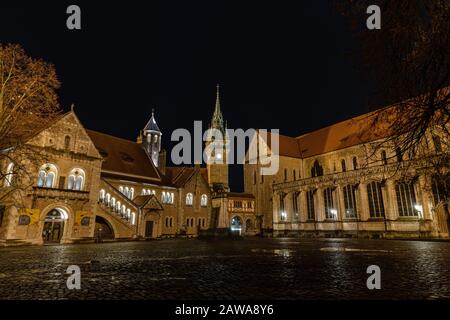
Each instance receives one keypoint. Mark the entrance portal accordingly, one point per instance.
(54, 226)
(236, 225)
(103, 230)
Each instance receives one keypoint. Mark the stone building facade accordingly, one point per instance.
(348, 179)
(90, 186)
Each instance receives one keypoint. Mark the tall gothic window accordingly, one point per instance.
(376, 206)
(350, 201)
(316, 170)
(295, 198)
(355, 163)
(283, 214)
(330, 210)
(441, 188)
(310, 204)
(406, 199)
(343, 165)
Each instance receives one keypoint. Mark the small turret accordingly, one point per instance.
(151, 139)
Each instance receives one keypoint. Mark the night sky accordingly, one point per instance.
(279, 65)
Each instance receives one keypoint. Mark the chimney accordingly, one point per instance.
(162, 161)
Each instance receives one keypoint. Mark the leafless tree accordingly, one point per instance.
(408, 61)
(28, 104)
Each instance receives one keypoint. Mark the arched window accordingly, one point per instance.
(107, 199)
(118, 206)
(343, 165)
(384, 157)
(310, 204)
(121, 189)
(76, 179)
(406, 200)
(66, 143)
(9, 175)
(131, 194)
(128, 214)
(330, 210)
(123, 211)
(285, 175)
(355, 163)
(189, 199)
(126, 192)
(376, 206)
(294, 175)
(102, 195)
(295, 196)
(133, 218)
(316, 170)
(204, 200)
(350, 201)
(441, 188)
(283, 213)
(47, 176)
(113, 203)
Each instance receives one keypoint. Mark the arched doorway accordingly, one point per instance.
(54, 224)
(248, 225)
(236, 225)
(103, 230)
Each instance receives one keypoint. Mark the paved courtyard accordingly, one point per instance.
(229, 269)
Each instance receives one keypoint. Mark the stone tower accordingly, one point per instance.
(217, 165)
(151, 140)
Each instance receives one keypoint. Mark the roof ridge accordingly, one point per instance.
(110, 135)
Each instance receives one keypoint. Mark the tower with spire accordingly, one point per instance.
(217, 165)
(151, 139)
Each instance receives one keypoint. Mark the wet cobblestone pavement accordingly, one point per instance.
(229, 269)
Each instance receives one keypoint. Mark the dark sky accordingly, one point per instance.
(279, 65)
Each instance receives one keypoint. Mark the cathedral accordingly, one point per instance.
(350, 180)
(97, 187)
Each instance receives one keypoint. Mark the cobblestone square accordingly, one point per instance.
(252, 268)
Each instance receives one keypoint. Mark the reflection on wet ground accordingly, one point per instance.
(252, 268)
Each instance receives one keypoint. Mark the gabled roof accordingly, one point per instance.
(181, 175)
(147, 201)
(123, 157)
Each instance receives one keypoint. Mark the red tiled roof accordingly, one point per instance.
(344, 134)
(123, 157)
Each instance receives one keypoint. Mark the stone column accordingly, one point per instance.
(340, 203)
(303, 207)
(424, 197)
(364, 213)
(276, 206)
(390, 200)
(320, 205)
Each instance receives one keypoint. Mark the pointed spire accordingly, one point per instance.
(217, 119)
(151, 124)
(217, 109)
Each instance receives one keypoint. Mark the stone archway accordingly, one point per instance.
(236, 225)
(103, 229)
